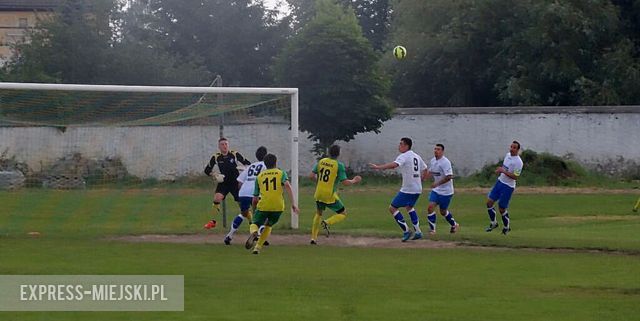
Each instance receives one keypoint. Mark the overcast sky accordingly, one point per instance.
(272, 3)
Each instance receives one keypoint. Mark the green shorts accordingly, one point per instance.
(270, 218)
(336, 206)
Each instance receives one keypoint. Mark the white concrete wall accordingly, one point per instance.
(158, 152)
(608, 141)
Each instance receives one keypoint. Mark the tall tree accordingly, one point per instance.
(450, 47)
(557, 58)
(236, 39)
(373, 16)
(508, 52)
(79, 43)
(342, 89)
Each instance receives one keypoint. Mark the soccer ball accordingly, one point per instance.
(399, 52)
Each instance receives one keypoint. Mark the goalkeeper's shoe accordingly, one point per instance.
(211, 224)
(406, 236)
(251, 241)
(266, 243)
(256, 251)
(454, 228)
(491, 227)
(506, 230)
(325, 227)
(313, 242)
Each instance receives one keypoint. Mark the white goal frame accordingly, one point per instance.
(292, 92)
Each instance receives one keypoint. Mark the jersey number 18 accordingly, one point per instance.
(324, 174)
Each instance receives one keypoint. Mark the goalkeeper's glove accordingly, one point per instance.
(218, 177)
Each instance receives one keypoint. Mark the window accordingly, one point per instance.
(22, 23)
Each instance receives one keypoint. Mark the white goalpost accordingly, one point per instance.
(28, 107)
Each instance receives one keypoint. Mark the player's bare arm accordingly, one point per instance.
(442, 181)
(294, 207)
(384, 166)
(501, 170)
(355, 180)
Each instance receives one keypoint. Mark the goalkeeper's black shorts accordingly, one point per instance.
(226, 188)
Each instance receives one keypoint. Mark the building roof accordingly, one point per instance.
(28, 5)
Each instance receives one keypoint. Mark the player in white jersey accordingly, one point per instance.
(246, 181)
(413, 170)
(441, 189)
(504, 187)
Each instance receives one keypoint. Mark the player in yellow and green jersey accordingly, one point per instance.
(328, 172)
(268, 201)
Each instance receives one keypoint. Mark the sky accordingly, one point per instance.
(271, 4)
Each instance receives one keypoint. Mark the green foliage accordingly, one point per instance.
(563, 56)
(235, 39)
(495, 52)
(544, 169)
(373, 16)
(450, 46)
(549, 169)
(80, 44)
(342, 89)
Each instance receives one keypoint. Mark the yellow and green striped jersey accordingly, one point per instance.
(330, 172)
(269, 186)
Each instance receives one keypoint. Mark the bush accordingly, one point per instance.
(539, 169)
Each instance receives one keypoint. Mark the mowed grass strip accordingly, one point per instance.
(322, 283)
(582, 221)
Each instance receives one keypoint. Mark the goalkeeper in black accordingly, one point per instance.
(227, 161)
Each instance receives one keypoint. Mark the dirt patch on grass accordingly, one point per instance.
(292, 239)
(348, 241)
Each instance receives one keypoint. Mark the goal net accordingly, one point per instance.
(84, 137)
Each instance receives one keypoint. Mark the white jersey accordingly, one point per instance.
(248, 179)
(410, 165)
(512, 164)
(439, 169)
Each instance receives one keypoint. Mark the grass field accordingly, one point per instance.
(299, 282)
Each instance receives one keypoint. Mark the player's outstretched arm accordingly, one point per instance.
(242, 160)
(384, 166)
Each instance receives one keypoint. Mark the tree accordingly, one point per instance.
(79, 44)
(558, 58)
(373, 16)
(508, 52)
(342, 89)
(451, 46)
(236, 39)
